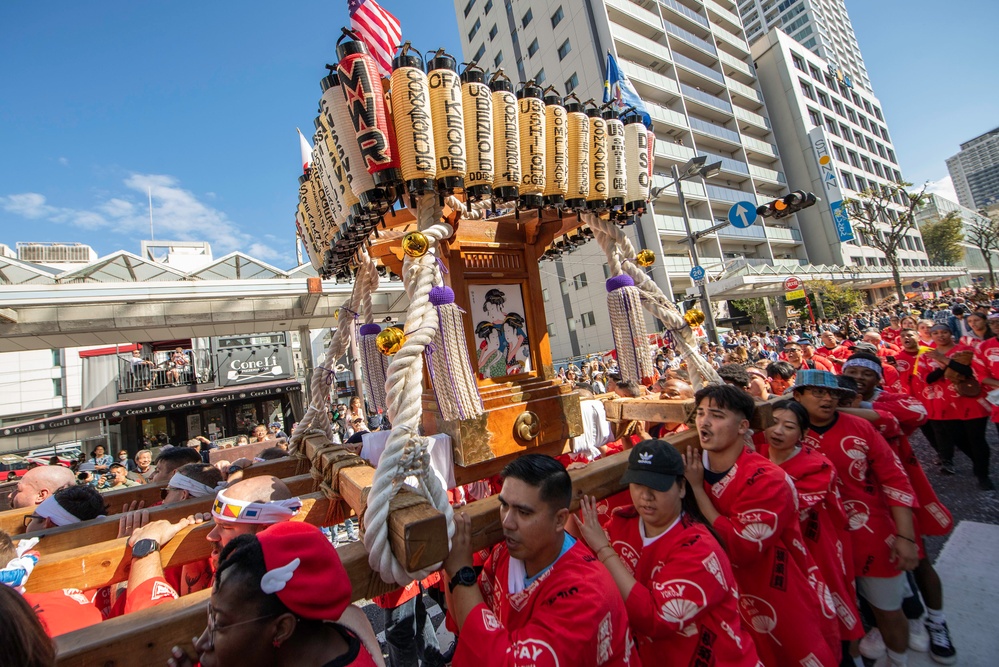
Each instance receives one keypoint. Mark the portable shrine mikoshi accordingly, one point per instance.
(460, 186)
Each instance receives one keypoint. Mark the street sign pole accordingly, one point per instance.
(709, 316)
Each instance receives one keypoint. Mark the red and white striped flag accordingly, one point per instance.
(306, 151)
(377, 28)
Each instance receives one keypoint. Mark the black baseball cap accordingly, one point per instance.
(655, 464)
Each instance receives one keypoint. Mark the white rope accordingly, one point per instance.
(316, 419)
(406, 453)
(618, 248)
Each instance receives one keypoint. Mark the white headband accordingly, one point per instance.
(864, 363)
(51, 509)
(196, 489)
(241, 511)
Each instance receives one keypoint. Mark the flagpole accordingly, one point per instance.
(149, 191)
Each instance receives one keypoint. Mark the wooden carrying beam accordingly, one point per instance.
(145, 637)
(12, 521)
(674, 410)
(63, 538)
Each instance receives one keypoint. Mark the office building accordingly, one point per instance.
(975, 171)
(691, 64)
(821, 26)
(936, 208)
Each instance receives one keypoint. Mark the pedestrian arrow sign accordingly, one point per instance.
(697, 273)
(742, 214)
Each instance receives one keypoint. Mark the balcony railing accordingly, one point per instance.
(661, 113)
(726, 36)
(645, 75)
(764, 147)
(636, 12)
(728, 163)
(751, 117)
(194, 367)
(632, 38)
(784, 234)
(686, 11)
(730, 194)
(744, 90)
(735, 63)
(706, 98)
(691, 38)
(691, 64)
(714, 130)
(767, 174)
(668, 149)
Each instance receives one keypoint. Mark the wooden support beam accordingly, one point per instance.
(63, 538)
(12, 521)
(649, 409)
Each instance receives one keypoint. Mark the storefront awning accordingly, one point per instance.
(152, 406)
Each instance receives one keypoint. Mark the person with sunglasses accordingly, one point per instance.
(282, 597)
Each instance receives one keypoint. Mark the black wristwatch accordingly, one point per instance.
(466, 576)
(143, 548)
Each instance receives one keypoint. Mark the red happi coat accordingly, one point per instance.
(840, 352)
(871, 480)
(900, 415)
(572, 615)
(64, 610)
(782, 600)
(940, 398)
(905, 364)
(988, 351)
(685, 604)
(823, 525)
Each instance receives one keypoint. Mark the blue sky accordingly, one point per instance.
(198, 101)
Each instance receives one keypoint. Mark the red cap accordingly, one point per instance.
(304, 571)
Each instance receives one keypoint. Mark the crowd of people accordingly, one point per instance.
(798, 544)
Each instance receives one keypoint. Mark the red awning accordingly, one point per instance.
(105, 351)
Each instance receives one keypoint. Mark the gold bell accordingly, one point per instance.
(693, 317)
(390, 340)
(645, 258)
(415, 244)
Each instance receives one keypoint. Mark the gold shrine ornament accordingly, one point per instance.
(645, 258)
(693, 317)
(415, 244)
(390, 340)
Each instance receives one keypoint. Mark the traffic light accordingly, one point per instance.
(791, 203)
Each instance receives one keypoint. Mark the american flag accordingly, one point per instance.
(377, 28)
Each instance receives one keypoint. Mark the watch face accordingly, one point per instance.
(144, 548)
(466, 576)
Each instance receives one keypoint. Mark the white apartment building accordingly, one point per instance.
(975, 171)
(807, 102)
(938, 207)
(821, 26)
(690, 62)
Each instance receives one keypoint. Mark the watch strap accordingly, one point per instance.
(466, 576)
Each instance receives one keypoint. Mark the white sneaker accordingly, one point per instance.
(872, 646)
(919, 639)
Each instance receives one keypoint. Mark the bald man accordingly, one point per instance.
(40, 483)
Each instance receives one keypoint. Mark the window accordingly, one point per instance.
(831, 125)
(858, 261)
(878, 170)
(919, 243)
(906, 262)
(844, 131)
(837, 107)
(539, 78)
(883, 260)
(533, 47)
(863, 124)
(571, 83)
(557, 16)
(909, 243)
(806, 89)
(571, 323)
(564, 50)
(881, 150)
(866, 163)
(796, 60)
(824, 100)
(489, 5)
(858, 138)
(551, 330)
(57, 386)
(839, 152)
(475, 29)
(856, 99)
(579, 281)
(478, 54)
(57, 357)
(528, 17)
(848, 180)
(884, 134)
(468, 7)
(492, 32)
(872, 261)
(544, 295)
(564, 286)
(815, 117)
(870, 145)
(816, 74)
(830, 82)
(607, 274)
(861, 184)
(851, 115)
(867, 106)
(588, 319)
(853, 159)
(498, 59)
(891, 156)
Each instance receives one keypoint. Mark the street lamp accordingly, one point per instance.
(694, 168)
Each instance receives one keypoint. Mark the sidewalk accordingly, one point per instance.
(967, 567)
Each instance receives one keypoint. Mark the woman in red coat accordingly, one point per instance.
(823, 519)
(675, 578)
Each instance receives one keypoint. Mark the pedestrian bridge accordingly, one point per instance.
(124, 297)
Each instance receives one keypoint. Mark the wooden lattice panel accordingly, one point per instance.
(492, 261)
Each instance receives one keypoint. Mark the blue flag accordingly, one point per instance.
(617, 87)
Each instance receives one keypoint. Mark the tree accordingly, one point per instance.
(756, 309)
(886, 214)
(984, 233)
(834, 300)
(943, 238)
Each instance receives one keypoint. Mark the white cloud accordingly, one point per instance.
(943, 187)
(64, 161)
(178, 215)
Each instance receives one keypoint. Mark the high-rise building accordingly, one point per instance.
(830, 134)
(975, 171)
(936, 208)
(821, 26)
(690, 62)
